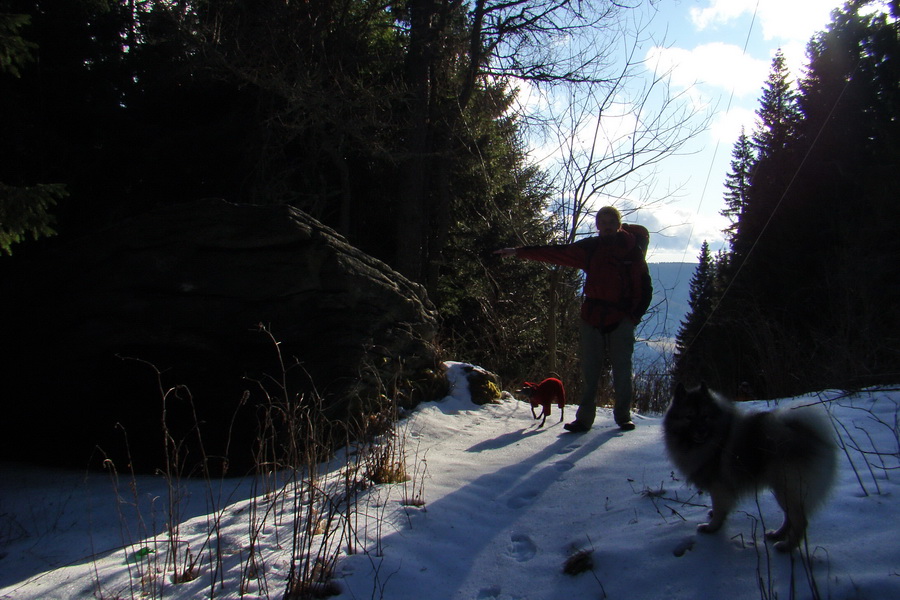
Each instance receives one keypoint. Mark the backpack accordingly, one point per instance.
(641, 236)
(642, 241)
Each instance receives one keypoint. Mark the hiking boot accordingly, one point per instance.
(626, 426)
(576, 427)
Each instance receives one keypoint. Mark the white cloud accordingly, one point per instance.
(726, 126)
(717, 64)
(720, 11)
(795, 57)
(531, 99)
(722, 75)
(787, 20)
(678, 231)
(602, 133)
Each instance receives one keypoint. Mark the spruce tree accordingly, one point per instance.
(778, 113)
(847, 201)
(24, 209)
(15, 51)
(778, 118)
(737, 185)
(701, 303)
(811, 282)
(774, 144)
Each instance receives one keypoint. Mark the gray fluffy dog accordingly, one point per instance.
(731, 453)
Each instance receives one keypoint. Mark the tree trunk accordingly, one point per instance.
(440, 225)
(553, 320)
(412, 216)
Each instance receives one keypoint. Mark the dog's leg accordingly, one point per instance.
(544, 420)
(792, 530)
(782, 532)
(723, 502)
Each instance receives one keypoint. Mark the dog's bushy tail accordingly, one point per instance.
(816, 434)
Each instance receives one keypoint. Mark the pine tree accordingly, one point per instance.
(61, 113)
(23, 209)
(737, 185)
(849, 185)
(811, 281)
(774, 144)
(778, 113)
(776, 128)
(701, 301)
(15, 51)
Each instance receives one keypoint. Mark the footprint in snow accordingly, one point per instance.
(522, 548)
(683, 546)
(563, 466)
(488, 593)
(567, 449)
(523, 499)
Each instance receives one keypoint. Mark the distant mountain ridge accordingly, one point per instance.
(656, 333)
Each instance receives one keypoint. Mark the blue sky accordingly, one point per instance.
(702, 43)
(715, 56)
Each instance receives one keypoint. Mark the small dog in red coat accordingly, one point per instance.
(543, 394)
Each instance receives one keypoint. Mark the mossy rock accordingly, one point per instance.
(484, 386)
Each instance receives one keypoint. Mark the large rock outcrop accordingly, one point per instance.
(183, 290)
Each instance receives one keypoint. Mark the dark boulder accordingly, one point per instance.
(484, 386)
(183, 291)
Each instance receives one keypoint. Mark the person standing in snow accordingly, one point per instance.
(617, 292)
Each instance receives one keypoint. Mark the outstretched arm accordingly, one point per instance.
(566, 255)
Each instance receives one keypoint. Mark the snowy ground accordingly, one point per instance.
(505, 505)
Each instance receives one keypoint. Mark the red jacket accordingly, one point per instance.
(617, 281)
(545, 393)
